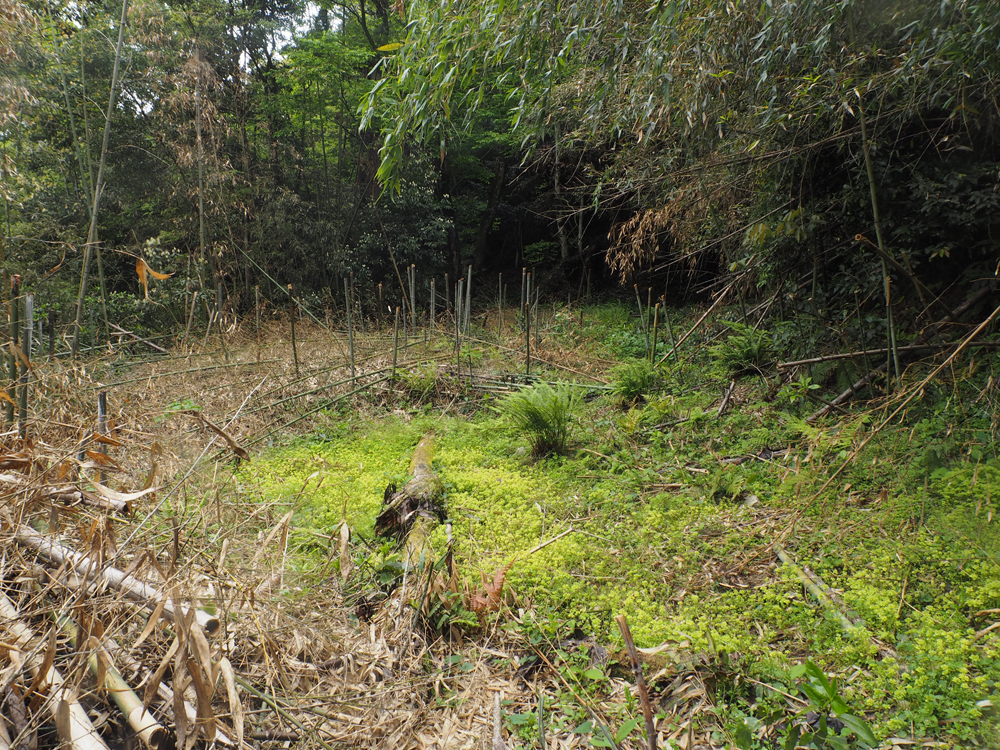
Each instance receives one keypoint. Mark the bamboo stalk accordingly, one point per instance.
(142, 593)
(153, 734)
(164, 691)
(885, 350)
(99, 186)
(70, 717)
(699, 322)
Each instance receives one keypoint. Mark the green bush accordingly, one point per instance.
(543, 413)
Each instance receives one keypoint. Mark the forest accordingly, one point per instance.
(511, 373)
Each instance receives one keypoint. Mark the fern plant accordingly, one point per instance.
(633, 380)
(744, 351)
(543, 413)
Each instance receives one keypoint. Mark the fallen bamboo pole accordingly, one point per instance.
(865, 353)
(142, 593)
(153, 734)
(71, 720)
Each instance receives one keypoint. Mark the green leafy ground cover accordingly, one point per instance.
(668, 532)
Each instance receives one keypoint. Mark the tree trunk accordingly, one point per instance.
(492, 204)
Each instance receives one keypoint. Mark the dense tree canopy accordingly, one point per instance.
(686, 143)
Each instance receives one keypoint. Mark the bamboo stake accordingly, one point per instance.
(433, 306)
(15, 292)
(468, 302)
(699, 321)
(256, 305)
(70, 718)
(412, 273)
(395, 346)
(187, 330)
(527, 340)
(150, 731)
(52, 333)
(144, 594)
(291, 319)
(29, 329)
(656, 328)
(500, 305)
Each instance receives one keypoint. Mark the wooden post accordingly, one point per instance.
(291, 317)
(350, 324)
(447, 294)
(29, 329)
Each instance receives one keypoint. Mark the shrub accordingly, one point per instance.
(543, 413)
(634, 380)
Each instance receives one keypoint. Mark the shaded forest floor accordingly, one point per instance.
(694, 501)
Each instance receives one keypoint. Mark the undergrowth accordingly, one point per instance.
(668, 512)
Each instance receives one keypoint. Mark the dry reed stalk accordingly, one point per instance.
(71, 720)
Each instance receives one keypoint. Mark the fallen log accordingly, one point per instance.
(412, 513)
(143, 594)
(71, 720)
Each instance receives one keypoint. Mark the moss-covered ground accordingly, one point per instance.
(673, 514)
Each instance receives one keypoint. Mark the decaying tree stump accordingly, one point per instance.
(412, 513)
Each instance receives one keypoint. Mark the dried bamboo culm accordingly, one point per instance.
(71, 720)
(153, 734)
(142, 593)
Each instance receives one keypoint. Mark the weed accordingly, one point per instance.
(543, 413)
